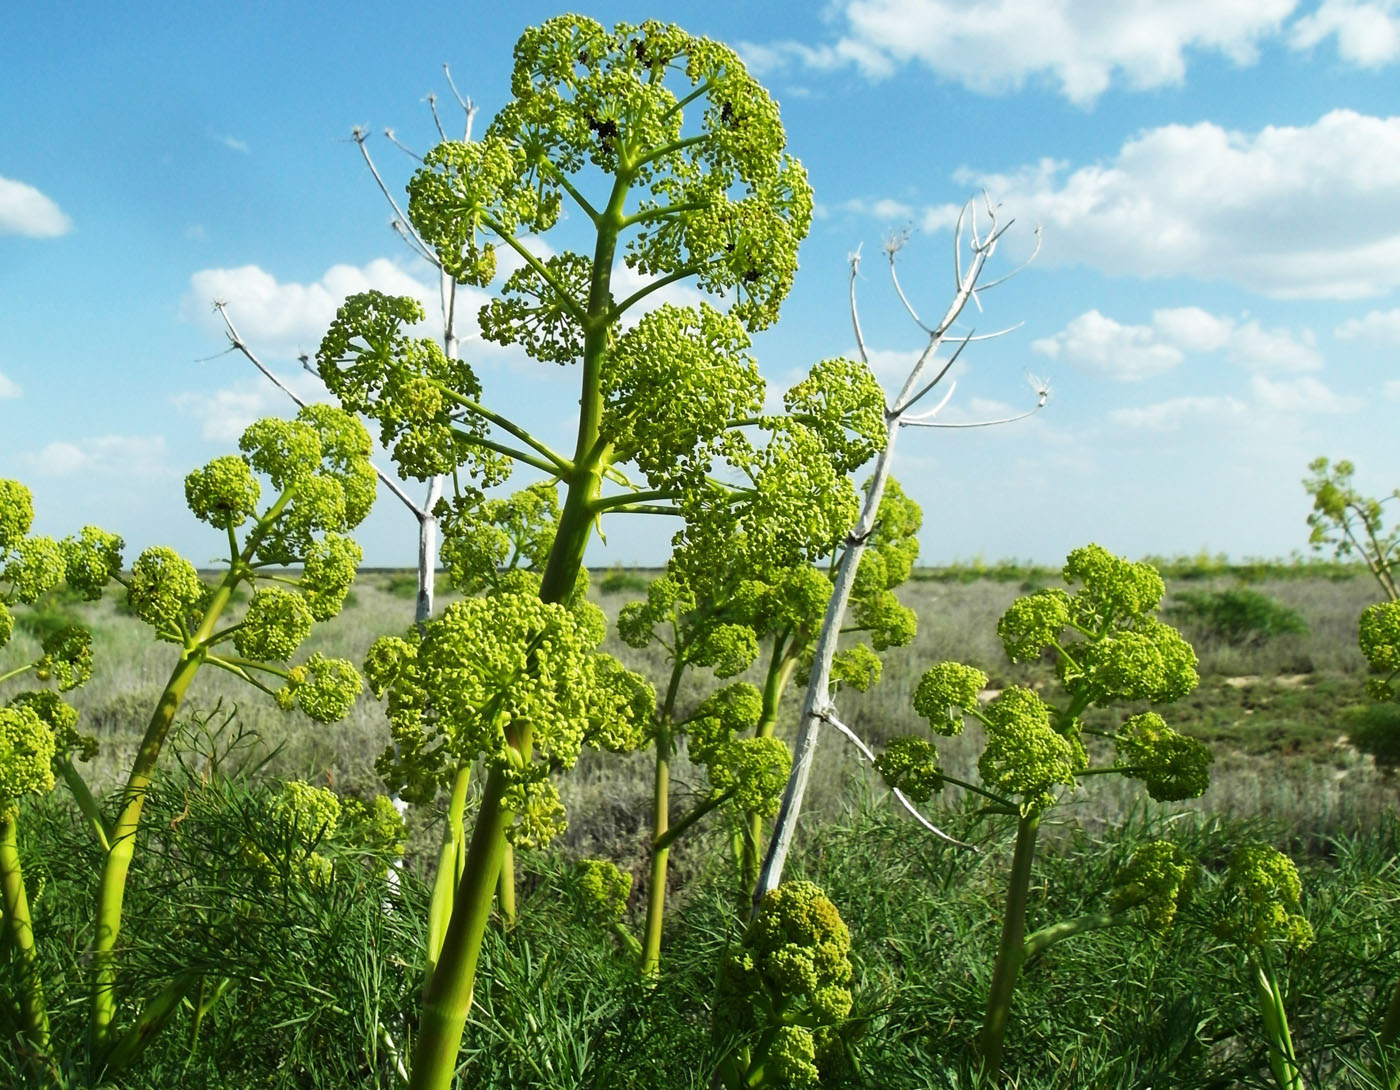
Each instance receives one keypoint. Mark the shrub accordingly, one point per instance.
(1239, 617)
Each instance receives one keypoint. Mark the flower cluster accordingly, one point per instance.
(1260, 900)
(790, 980)
(1155, 881)
(1379, 637)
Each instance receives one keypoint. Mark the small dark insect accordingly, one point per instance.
(583, 56)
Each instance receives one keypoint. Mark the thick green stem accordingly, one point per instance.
(1283, 1061)
(21, 930)
(449, 994)
(451, 860)
(1390, 1028)
(780, 669)
(505, 886)
(656, 892)
(154, 1018)
(86, 803)
(1011, 953)
(1047, 937)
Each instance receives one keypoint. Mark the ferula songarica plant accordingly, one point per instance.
(720, 609)
(321, 487)
(672, 157)
(1109, 647)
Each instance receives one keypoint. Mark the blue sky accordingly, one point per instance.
(1216, 302)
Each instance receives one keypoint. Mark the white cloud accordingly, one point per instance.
(26, 211)
(1392, 390)
(232, 143)
(1301, 395)
(224, 413)
(124, 455)
(1382, 326)
(274, 316)
(994, 46)
(1368, 33)
(1260, 209)
(625, 282)
(1172, 414)
(8, 387)
(1100, 345)
(884, 208)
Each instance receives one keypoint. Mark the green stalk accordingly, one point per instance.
(1283, 1061)
(650, 959)
(450, 988)
(451, 860)
(86, 803)
(656, 892)
(1011, 953)
(449, 994)
(505, 891)
(111, 888)
(1390, 1028)
(21, 929)
(1046, 937)
(780, 670)
(154, 1018)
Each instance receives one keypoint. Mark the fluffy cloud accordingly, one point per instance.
(1392, 390)
(1301, 395)
(224, 413)
(26, 211)
(1100, 345)
(274, 316)
(1259, 209)
(122, 455)
(1382, 326)
(992, 46)
(1269, 399)
(1368, 33)
(1172, 414)
(8, 387)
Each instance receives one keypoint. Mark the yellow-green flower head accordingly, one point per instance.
(389, 661)
(26, 756)
(62, 720)
(727, 648)
(910, 765)
(1260, 900)
(624, 705)
(1379, 637)
(1156, 880)
(274, 626)
(792, 1057)
(286, 451)
(223, 493)
(1171, 765)
(668, 598)
(329, 690)
(7, 624)
(889, 622)
(34, 569)
(16, 513)
(1112, 586)
(1149, 662)
(1033, 622)
(671, 385)
(945, 692)
(584, 95)
(604, 888)
(67, 657)
(856, 666)
(306, 814)
(90, 560)
(734, 709)
(376, 826)
(530, 312)
(330, 567)
(345, 446)
(798, 600)
(472, 554)
(539, 812)
(1024, 755)
(164, 586)
(841, 399)
(755, 769)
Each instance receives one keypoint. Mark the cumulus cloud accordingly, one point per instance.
(224, 413)
(8, 387)
(26, 211)
(1392, 390)
(232, 143)
(1301, 395)
(1367, 31)
(1100, 345)
(273, 315)
(1259, 209)
(1172, 414)
(122, 455)
(1382, 326)
(1081, 47)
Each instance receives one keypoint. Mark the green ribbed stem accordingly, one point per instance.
(21, 931)
(1011, 953)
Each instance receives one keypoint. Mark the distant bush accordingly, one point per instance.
(620, 580)
(1240, 617)
(1375, 729)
